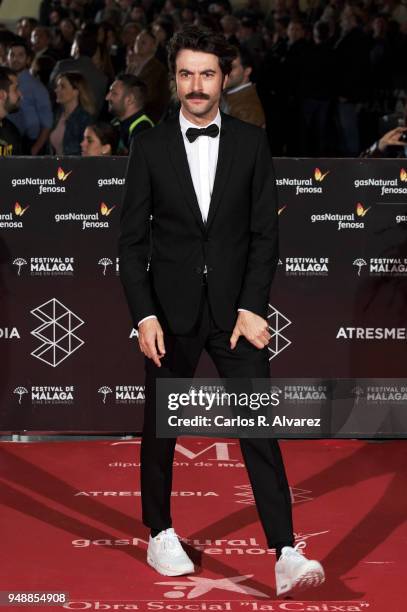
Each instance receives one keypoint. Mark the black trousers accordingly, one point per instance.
(262, 456)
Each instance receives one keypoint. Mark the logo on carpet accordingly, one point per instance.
(203, 586)
(245, 493)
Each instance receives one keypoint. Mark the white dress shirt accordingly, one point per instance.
(202, 155)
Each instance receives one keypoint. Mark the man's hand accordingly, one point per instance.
(253, 328)
(392, 138)
(151, 340)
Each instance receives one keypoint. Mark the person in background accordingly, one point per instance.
(41, 43)
(41, 68)
(188, 13)
(99, 139)
(101, 58)
(75, 113)
(25, 26)
(126, 100)
(34, 118)
(110, 12)
(125, 10)
(10, 96)
(230, 25)
(351, 54)
(150, 70)
(393, 143)
(163, 29)
(251, 38)
(240, 95)
(6, 38)
(83, 50)
(68, 30)
(318, 93)
(128, 37)
(138, 14)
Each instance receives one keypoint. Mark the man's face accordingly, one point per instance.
(17, 58)
(24, 29)
(228, 24)
(244, 33)
(129, 34)
(199, 81)
(12, 101)
(295, 31)
(239, 75)
(116, 99)
(145, 45)
(39, 40)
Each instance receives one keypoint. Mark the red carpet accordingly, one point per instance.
(70, 522)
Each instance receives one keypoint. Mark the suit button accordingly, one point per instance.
(198, 270)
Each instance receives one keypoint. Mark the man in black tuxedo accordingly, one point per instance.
(206, 180)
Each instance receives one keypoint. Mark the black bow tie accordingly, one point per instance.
(193, 133)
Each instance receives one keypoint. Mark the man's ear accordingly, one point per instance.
(3, 96)
(247, 72)
(225, 81)
(106, 149)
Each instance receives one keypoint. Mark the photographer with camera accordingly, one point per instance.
(392, 144)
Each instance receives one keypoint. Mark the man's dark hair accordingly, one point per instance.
(249, 22)
(20, 42)
(167, 25)
(201, 39)
(323, 30)
(31, 20)
(132, 84)
(246, 58)
(87, 42)
(5, 74)
(7, 37)
(107, 134)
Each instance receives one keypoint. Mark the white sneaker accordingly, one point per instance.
(295, 571)
(166, 555)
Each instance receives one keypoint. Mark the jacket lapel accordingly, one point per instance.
(227, 148)
(179, 160)
(178, 156)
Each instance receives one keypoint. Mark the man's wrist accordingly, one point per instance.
(380, 146)
(145, 319)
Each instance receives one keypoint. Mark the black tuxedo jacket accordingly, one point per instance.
(238, 243)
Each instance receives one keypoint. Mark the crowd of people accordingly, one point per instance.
(323, 77)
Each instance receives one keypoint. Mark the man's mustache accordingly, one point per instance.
(197, 96)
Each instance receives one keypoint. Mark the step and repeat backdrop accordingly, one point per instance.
(338, 307)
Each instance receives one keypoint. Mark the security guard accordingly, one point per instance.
(126, 99)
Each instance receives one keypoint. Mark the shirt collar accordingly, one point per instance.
(185, 124)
